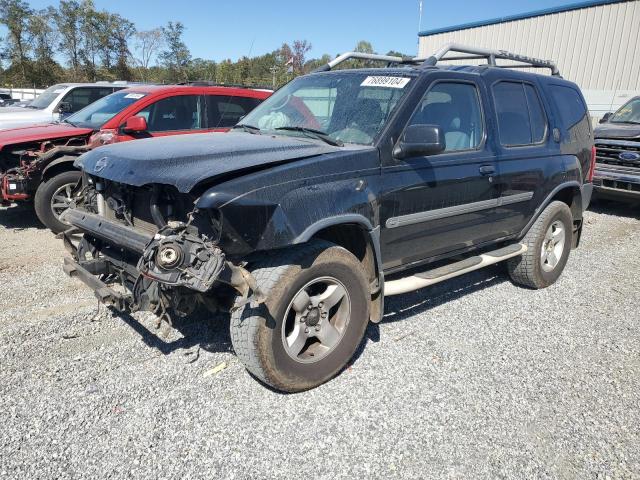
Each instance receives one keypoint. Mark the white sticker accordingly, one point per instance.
(386, 82)
(12, 186)
(135, 96)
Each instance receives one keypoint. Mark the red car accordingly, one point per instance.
(37, 162)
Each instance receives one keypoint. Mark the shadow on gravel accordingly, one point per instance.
(616, 208)
(208, 331)
(421, 301)
(21, 215)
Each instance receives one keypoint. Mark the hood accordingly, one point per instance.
(617, 130)
(186, 160)
(38, 133)
(11, 117)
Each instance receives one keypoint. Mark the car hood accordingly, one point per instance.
(617, 130)
(186, 160)
(11, 117)
(35, 133)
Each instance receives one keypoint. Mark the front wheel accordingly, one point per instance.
(316, 312)
(53, 197)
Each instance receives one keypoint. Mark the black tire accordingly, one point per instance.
(528, 269)
(44, 194)
(257, 333)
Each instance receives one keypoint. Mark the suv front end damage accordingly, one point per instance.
(167, 272)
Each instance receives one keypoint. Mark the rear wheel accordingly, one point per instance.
(316, 312)
(549, 243)
(53, 197)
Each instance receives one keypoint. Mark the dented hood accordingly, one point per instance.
(186, 160)
(38, 133)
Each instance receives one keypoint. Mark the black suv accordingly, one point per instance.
(343, 187)
(617, 174)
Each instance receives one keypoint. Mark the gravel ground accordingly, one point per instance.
(471, 378)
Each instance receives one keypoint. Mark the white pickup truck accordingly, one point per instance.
(56, 102)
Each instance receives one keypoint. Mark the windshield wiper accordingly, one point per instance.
(70, 123)
(630, 122)
(313, 133)
(247, 128)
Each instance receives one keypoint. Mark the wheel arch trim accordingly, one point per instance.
(563, 186)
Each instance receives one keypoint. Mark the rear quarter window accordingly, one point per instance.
(570, 105)
(573, 113)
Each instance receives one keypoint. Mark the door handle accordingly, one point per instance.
(487, 170)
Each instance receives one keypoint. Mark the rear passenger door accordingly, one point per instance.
(223, 112)
(525, 152)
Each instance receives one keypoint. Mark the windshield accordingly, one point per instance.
(629, 113)
(349, 107)
(94, 116)
(47, 97)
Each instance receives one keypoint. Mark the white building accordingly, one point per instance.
(595, 44)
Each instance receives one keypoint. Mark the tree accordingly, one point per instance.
(176, 56)
(69, 20)
(14, 15)
(122, 30)
(146, 47)
(46, 70)
(300, 50)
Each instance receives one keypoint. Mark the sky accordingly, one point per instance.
(217, 30)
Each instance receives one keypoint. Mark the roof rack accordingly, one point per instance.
(476, 53)
(362, 56)
(469, 53)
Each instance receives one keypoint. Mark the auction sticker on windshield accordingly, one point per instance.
(387, 82)
(135, 96)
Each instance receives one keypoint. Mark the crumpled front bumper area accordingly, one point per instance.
(132, 270)
(13, 188)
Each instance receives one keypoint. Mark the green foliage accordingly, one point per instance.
(99, 45)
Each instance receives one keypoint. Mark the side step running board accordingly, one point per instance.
(431, 277)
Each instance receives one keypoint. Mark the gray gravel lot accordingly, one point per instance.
(474, 378)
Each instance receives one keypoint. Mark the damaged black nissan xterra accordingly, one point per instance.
(343, 187)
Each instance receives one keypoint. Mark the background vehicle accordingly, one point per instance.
(55, 103)
(617, 139)
(6, 100)
(38, 161)
(343, 187)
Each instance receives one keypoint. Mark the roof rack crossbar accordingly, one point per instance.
(361, 56)
(468, 53)
(490, 55)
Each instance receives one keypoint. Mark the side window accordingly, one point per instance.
(536, 114)
(173, 113)
(455, 107)
(225, 112)
(570, 105)
(83, 96)
(521, 118)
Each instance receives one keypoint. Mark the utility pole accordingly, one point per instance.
(274, 70)
(419, 25)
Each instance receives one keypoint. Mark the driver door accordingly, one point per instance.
(438, 204)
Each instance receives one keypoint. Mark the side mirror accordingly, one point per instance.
(420, 141)
(65, 107)
(135, 125)
(605, 118)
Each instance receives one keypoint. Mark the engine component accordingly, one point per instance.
(178, 256)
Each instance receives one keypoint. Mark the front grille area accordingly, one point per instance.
(609, 152)
(137, 200)
(621, 185)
